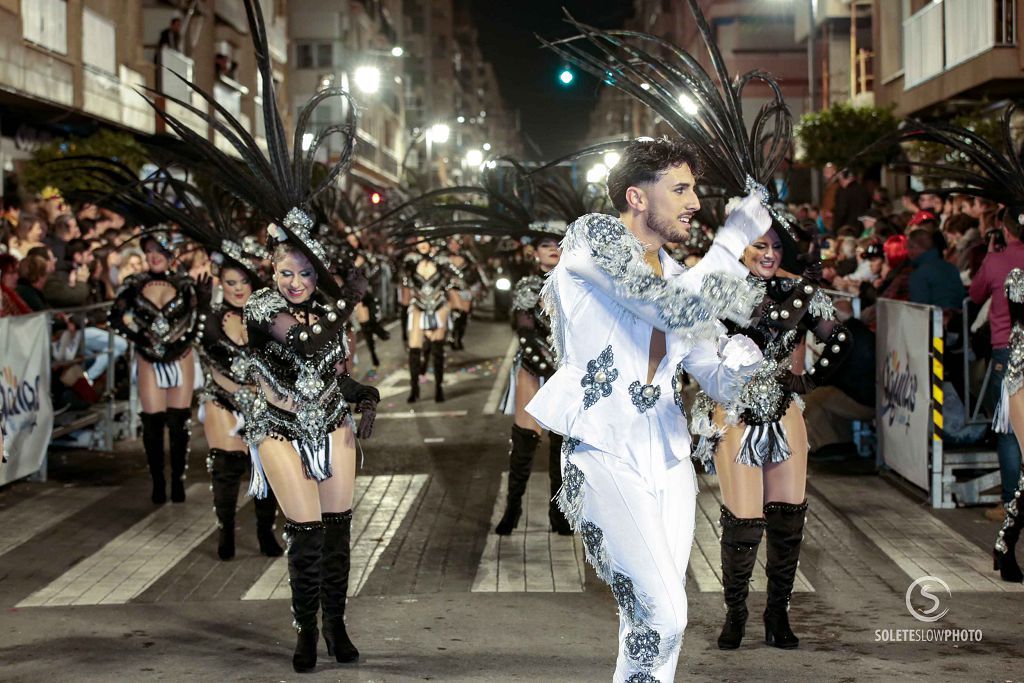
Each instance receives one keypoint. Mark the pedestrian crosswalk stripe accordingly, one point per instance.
(705, 557)
(381, 503)
(136, 558)
(44, 511)
(532, 559)
(501, 381)
(917, 541)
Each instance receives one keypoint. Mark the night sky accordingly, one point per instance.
(555, 117)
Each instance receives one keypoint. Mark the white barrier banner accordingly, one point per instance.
(902, 388)
(26, 408)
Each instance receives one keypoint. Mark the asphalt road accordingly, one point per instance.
(96, 585)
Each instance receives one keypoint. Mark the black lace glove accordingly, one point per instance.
(368, 413)
(204, 289)
(355, 286)
(811, 261)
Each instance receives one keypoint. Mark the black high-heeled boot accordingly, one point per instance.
(520, 461)
(740, 540)
(460, 330)
(334, 585)
(305, 555)
(559, 524)
(784, 534)
(371, 346)
(266, 512)
(153, 443)
(437, 352)
(179, 430)
(414, 375)
(1004, 555)
(226, 470)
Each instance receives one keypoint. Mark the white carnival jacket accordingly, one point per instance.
(605, 300)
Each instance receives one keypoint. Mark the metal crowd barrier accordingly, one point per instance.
(102, 416)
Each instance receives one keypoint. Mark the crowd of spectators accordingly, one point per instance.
(929, 247)
(60, 258)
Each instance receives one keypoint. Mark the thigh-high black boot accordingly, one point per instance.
(414, 374)
(460, 330)
(784, 534)
(559, 524)
(179, 430)
(334, 584)
(305, 555)
(226, 471)
(437, 351)
(520, 461)
(740, 539)
(266, 512)
(1004, 555)
(153, 443)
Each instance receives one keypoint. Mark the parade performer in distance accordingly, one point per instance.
(157, 310)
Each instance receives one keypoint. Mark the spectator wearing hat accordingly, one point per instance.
(869, 220)
(988, 284)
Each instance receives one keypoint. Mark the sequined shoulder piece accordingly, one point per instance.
(263, 304)
(527, 293)
(619, 253)
(1015, 286)
(821, 307)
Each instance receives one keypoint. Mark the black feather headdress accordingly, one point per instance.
(509, 202)
(164, 199)
(707, 111)
(279, 184)
(974, 166)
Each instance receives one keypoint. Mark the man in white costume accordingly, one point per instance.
(626, 321)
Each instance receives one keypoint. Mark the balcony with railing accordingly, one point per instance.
(948, 33)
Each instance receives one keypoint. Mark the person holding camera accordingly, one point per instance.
(1005, 252)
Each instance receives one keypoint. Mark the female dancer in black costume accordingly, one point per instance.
(427, 279)
(758, 446)
(157, 311)
(228, 398)
(534, 363)
(301, 434)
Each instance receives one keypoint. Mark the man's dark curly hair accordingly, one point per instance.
(644, 161)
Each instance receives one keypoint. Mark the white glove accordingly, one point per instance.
(740, 353)
(748, 221)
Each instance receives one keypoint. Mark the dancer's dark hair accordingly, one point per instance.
(644, 161)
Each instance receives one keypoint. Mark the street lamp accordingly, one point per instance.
(474, 158)
(397, 51)
(439, 133)
(367, 79)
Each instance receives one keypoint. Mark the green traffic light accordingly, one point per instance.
(566, 77)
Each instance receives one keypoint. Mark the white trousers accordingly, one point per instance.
(636, 520)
